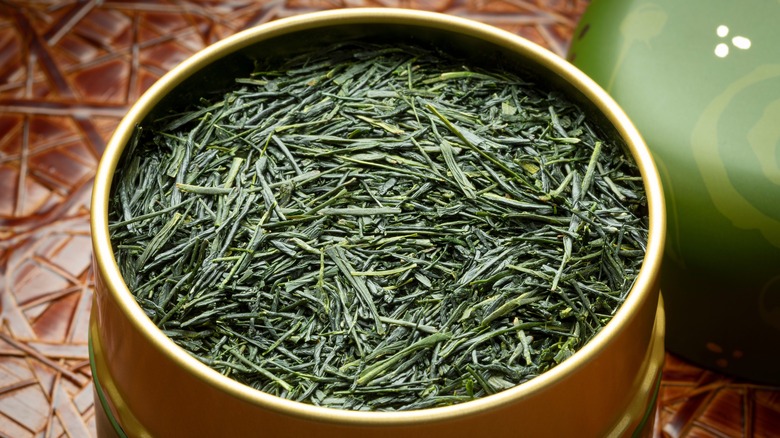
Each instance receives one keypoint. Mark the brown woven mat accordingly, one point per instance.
(68, 71)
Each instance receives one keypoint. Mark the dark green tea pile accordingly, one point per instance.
(378, 228)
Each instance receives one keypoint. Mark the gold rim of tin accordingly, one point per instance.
(109, 270)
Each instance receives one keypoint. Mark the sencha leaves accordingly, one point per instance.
(378, 228)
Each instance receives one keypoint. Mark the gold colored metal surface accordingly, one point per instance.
(159, 388)
(639, 416)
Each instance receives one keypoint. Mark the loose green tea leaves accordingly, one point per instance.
(378, 228)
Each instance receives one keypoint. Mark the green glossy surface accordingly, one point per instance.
(701, 81)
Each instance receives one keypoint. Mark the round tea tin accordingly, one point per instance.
(146, 385)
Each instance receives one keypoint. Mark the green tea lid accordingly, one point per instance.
(701, 81)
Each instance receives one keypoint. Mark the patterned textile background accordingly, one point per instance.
(69, 69)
